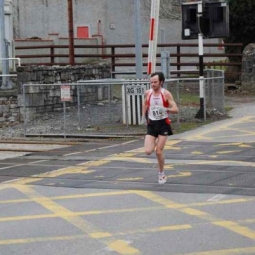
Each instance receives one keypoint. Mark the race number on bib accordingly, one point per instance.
(158, 112)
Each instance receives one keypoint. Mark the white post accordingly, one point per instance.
(153, 37)
(3, 45)
(201, 113)
(138, 40)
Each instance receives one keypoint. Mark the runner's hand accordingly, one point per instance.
(143, 121)
(163, 109)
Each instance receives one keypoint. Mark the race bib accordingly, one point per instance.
(158, 112)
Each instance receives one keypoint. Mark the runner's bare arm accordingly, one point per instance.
(145, 104)
(173, 108)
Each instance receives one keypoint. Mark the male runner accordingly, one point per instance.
(158, 104)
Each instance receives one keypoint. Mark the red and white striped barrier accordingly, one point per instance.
(153, 37)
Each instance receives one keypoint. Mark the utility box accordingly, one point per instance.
(214, 22)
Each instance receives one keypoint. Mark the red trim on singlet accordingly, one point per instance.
(165, 103)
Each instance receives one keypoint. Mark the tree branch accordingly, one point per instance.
(169, 9)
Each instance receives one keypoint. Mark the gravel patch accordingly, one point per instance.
(102, 119)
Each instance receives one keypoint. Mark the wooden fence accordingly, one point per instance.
(182, 56)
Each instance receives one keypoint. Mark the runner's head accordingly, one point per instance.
(157, 80)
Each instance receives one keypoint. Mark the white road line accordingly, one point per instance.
(216, 198)
(100, 148)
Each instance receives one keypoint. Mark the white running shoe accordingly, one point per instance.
(162, 178)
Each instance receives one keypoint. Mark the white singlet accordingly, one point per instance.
(156, 104)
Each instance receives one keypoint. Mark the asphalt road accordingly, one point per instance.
(102, 197)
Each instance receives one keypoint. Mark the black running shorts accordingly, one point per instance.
(159, 127)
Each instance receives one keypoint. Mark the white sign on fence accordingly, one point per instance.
(65, 93)
(136, 89)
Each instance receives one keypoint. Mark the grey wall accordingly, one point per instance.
(41, 17)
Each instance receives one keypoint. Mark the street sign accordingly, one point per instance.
(65, 93)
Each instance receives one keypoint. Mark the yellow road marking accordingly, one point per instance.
(99, 194)
(120, 246)
(125, 192)
(234, 227)
(242, 145)
(158, 229)
(127, 159)
(168, 167)
(227, 152)
(230, 225)
(130, 179)
(83, 168)
(99, 236)
(170, 147)
(179, 174)
(197, 153)
(238, 251)
(76, 221)
(85, 213)
(220, 126)
(223, 162)
(245, 146)
(67, 170)
(40, 239)
(95, 163)
(173, 142)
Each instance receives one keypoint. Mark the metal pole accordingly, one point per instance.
(138, 40)
(24, 110)
(79, 107)
(3, 46)
(70, 32)
(201, 113)
(126, 104)
(64, 116)
(8, 82)
(178, 101)
(109, 101)
(165, 62)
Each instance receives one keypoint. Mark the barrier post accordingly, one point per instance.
(153, 37)
(165, 63)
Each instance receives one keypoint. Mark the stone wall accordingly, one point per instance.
(248, 67)
(9, 109)
(58, 74)
(46, 98)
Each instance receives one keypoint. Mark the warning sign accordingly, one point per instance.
(65, 93)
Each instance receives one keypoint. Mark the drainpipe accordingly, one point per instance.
(3, 47)
(70, 32)
(100, 35)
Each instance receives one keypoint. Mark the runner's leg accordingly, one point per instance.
(159, 151)
(149, 144)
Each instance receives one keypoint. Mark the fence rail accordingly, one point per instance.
(180, 58)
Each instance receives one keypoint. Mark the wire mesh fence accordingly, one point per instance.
(113, 107)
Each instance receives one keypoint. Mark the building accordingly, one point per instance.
(111, 19)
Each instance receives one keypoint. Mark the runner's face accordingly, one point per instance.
(155, 83)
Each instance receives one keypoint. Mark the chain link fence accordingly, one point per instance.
(112, 107)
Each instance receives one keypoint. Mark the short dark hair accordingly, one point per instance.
(161, 76)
